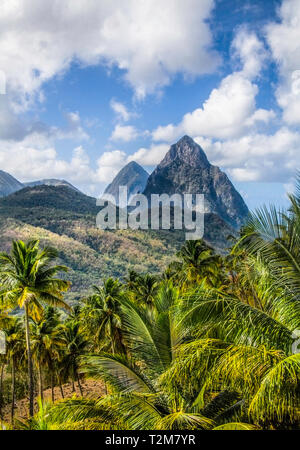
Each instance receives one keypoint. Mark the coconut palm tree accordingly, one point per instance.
(140, 398)
(15, 342)
(197, 263)
(47, 339)
(100, 316)
(248, 330)
(29, 278)
(75, 344)
(3, 361)
(146, 288)
(245, 350)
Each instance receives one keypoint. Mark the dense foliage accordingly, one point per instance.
(211, 343)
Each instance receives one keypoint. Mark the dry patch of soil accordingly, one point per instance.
(90, 388)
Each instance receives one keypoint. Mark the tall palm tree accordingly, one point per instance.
(254, 323)
(100, 316)
(243, 349)
(139, 396)
(5, 322)
(46, 338)
(75, 344)
(15, 341)
(197, 263)
(146, 288)
(29, 278)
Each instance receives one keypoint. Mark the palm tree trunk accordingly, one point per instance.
(30, 367)
(1, 389)
(61, 390)
(13, 389)
(52, 387)
(73, 386)
(41, 381)
(79, 385)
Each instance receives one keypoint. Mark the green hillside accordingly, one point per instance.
(66, 219)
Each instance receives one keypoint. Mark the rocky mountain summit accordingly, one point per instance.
(186, 170)
(8, 184)
(133, 176)
(50, 182)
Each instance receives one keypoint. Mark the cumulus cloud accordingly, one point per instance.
(34, 158)
(284, 40)
(149, 41)
(250, 52)
(258, 156)
(230, 109)
(228, 112)
(150, 156)
(74, 129)
(124, 133)
(10, 125)
(12, 128)
(109, 164)
(120, 110)
(229, 126)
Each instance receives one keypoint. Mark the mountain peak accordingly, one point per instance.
(134, 165)
(50, 182)
(133, 176)
(186, 170)
(187, 151)
(8, 184)
(186, 139)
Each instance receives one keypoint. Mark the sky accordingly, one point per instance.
(87, 86)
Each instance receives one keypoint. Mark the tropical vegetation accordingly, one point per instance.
(210, 344)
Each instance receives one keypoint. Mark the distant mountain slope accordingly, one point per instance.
(50, 182)
(92, 254)
(66, 219)
(186, 169)
(61, 198)
(133, 176)
(8, 184)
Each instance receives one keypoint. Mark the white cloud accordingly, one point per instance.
(113, 158)
(258, 156)
(73, 130)
(284, 41)
(260, 115)
(10, 125)
(124, 133)
(109, 164)
(12, 128)
(35, 158)
(230, 110)
(120, 110)
(227, 113)
(150, 156)
(250, 52)
(150, 41)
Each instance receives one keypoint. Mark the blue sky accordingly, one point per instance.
(92, 85)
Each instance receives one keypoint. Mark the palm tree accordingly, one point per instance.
(242, 349)
(15, 341)
(28, 277)
(248, 330)
(100, 316)
(2, 367)
(145, 289)
(197, 263)
(46, 338)
(140, 398)
(5, 322)
(75, 344)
